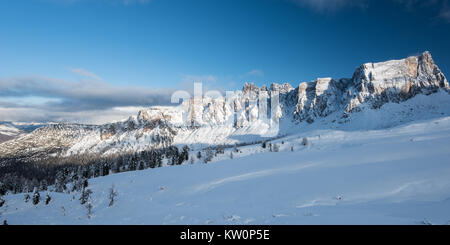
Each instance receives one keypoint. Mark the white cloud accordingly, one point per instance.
(27, 114)
(199, 78)
(255, 72)
(85, 73)
(331, 5)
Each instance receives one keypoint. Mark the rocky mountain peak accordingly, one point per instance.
(216, 120)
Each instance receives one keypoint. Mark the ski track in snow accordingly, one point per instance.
(251, 175)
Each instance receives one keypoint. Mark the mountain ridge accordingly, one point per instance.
(233, 120)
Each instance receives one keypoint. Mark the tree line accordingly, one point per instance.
(17, 176)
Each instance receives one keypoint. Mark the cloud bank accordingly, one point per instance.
(87, 100)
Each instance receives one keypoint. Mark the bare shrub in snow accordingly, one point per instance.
(89, 209)
(112, 195)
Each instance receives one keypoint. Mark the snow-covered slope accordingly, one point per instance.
(398, 175)
(202, 122)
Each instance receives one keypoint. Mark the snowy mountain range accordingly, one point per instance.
(10, 130)
(325, 102)
(371, 149)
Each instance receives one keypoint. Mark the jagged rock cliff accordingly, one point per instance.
(241, 114)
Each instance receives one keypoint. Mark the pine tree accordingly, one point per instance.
(43, 185)
(36, 196)
(47, 198)
(105, 169)
(141, 165)
(3, 188)
(2, 201)
(185, 153)
(158, 159)
(209, 155)
(85, 195)
(60, 182)
(305, 141)
(27, 197)
(116, 166)
(199, 155)
(264, 144)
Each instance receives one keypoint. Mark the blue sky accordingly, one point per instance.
(84, 56)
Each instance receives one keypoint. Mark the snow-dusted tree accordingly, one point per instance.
(48, 198)
(305, 141)
(209, 155)
(184, 153)
(231, 155)
(275, 148)
(36, 196)
(85, 195)
(105, 169)
(220, 149)
(44, 185)
(116, 166)
(3, 188)
(89, 209)
(141, 165)
(112, 195)
(199, 155)
(264, 144)
(292, 148)
(2, 201)
(27, 197)
(235, 149)
(80, 183)
(60, 182)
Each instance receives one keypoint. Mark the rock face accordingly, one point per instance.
(394, 81)
(209, 120)
(372, 85)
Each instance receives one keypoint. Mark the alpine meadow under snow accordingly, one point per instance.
(371, 149)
